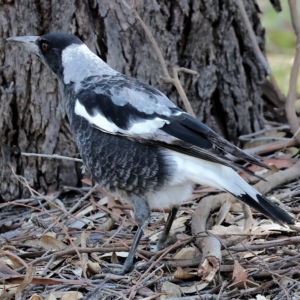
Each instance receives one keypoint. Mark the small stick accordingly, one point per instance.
(51, 156)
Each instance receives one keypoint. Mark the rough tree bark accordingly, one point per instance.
(206, 36)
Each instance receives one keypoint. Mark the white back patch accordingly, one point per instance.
(79, 62)
(138, 128)
(98, 120)
(146, 126)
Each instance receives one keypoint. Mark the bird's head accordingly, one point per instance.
(66, 55)
(49, 48)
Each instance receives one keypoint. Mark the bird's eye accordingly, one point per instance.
(44, 46)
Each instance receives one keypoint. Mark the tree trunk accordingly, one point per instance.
(206, 36)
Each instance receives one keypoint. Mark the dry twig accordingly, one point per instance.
(51, 156)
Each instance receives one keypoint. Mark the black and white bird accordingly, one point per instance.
(136, 143)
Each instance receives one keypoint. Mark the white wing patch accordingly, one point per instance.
(147, 126)
(137, 128)
(98, 120)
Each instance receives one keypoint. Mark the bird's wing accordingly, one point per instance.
(126, 106)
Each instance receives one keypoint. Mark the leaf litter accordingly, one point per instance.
(52, 252)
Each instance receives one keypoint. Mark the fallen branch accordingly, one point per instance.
(295, 240)
(51, 156)
(272, 147)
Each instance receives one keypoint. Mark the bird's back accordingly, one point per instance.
(118, 164)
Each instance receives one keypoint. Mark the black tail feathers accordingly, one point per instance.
(266, 207)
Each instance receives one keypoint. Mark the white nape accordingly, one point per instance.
(79, 62)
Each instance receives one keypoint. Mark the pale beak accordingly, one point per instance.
(28, 41)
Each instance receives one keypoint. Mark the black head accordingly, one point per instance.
(49, 47)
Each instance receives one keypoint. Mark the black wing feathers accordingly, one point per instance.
(188, 135)
(104, 97)
(122, 116)
(192, 131)
(267, 208)
(211, 155)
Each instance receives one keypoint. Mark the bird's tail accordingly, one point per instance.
(243, 191)
(225, 178)
(265, 206)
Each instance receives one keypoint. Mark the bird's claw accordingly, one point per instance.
(171, 240)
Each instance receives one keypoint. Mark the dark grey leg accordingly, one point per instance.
(141, 216)
(164, 237)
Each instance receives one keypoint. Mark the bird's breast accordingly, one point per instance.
(118, 164)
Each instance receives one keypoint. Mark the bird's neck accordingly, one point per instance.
(79, 63)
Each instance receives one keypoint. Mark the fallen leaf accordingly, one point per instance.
(181, 274)
(194, 288)
(260, 297)
(26, 281)
(86, 181)
(290, 152)
(220, 230)
(77, 270)
(208, 269)
(51, 297)
(13, 260)
(268, 227)
(179, 224)
(8, 247)
(286, 281)
(186, 253)
(4, 269)
(239, 275)
(107, 225)
(35, 297)
(121, 254)
(46, 242)
(71, 295)
(273, 163)
(172, 290)
(93, 267)
(117, 214)
(44, 281)
(114, 258)
(103, 201)
(50, 233)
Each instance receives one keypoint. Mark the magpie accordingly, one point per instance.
(136, 143)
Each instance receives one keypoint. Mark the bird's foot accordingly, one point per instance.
(110, 271)
(144, 266)
(165, 242)
(125, 269)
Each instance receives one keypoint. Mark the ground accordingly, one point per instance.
(57, 250)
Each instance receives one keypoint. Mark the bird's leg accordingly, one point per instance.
(163, 240)
(141, 216)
